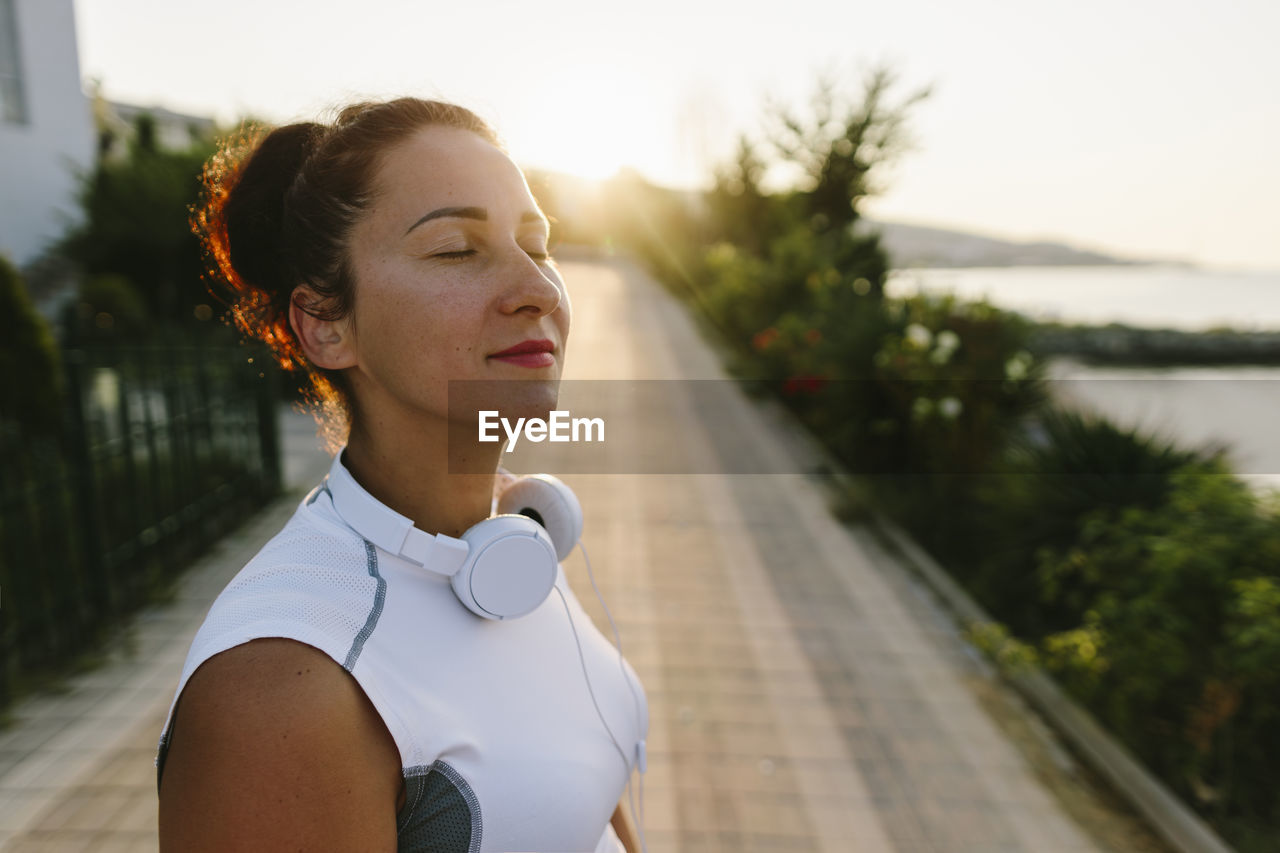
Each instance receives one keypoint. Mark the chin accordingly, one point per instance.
(530, 397)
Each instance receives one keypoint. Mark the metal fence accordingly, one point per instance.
(163, 450)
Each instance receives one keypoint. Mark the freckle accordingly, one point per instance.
(299, 672)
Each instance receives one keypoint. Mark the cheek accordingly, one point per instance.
(418, 323)
(454, 319)
(428, 309)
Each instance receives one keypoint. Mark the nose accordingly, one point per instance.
(534, 287)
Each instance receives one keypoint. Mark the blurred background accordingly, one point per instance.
(1015, 264)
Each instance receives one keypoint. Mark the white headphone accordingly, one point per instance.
(504, 566)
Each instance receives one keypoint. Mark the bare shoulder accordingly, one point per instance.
(275, 744)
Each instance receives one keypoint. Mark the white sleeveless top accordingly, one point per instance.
(500, 744)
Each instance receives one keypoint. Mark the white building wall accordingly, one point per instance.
(40, 158)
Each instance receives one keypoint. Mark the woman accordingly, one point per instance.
(339, 696)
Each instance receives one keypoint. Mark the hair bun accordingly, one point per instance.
(255, 208)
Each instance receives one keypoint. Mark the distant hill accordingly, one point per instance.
(908, 245)
(920, 246)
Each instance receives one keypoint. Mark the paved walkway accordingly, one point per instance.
(805, 695)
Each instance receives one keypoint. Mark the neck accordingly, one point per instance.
(406, 466)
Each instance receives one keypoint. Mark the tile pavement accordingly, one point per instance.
(804, 694)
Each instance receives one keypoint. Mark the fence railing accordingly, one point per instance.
(163, 450)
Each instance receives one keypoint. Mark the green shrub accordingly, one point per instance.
(1064, 469)
(110, 306)
(30, 367)
(959, 380)
(1183, 611)
(135, 225)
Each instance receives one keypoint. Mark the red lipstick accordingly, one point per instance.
(530, 353)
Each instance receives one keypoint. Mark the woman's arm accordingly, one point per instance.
(625, 830)
(274, 746)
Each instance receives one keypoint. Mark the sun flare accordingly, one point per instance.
(597, 126)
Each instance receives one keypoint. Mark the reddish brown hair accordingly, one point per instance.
(277, 212)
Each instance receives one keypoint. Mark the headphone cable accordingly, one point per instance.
(641, 758)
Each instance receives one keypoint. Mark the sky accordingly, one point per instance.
(1146, 128)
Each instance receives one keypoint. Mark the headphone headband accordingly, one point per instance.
(388, 529)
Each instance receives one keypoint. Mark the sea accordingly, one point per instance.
(1236, 407)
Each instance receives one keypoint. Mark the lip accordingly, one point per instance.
(540, 345)
(530, 353)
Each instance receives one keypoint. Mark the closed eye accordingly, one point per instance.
(540, 257)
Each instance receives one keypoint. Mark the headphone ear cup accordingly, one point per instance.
(510, 569)
(549, 502)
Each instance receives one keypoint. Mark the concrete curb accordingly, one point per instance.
(1168, 816)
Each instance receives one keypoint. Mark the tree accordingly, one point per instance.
(841, 143)
(740, 211)
(136, 223)
(30, 370)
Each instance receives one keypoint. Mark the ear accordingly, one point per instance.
(326, 343)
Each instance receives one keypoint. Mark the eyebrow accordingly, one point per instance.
(477, 213)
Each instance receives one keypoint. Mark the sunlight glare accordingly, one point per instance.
(598, 125)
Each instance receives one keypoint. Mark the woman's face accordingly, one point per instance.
(451, 270)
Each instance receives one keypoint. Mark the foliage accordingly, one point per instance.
(1144, 577)
(107, 306)
(1181, 609)
(1062, 469)
(136, 225)
(959, 383)
(1010, 654)
(30, 367)
(922, 386)
(743, 215)
(841, 144)
(796, 292)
